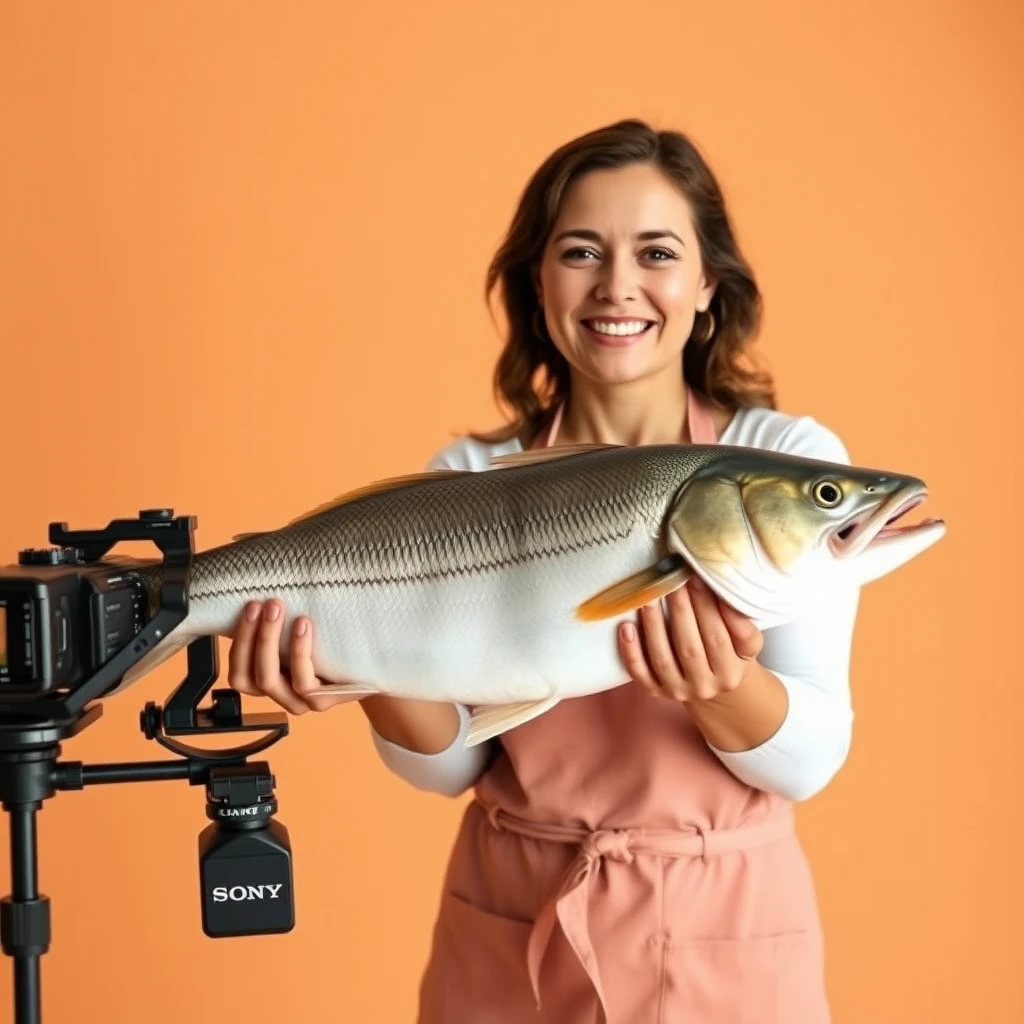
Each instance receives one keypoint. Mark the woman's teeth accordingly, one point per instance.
(619, 329)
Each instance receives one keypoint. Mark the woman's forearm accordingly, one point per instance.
(746, 717)
(425, 727)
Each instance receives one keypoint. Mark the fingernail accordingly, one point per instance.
(272, 611)
(629, 632)
(300, 627)
(252, 611)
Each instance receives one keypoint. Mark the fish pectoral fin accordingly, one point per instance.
(490, 720)
(392, 483)
(532, 456)
(650, 584)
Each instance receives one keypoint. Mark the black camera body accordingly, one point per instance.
(72, 622)
(62, 619)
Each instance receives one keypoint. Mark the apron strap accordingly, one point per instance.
(698, 419)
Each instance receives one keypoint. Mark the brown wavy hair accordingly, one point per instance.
(531, 376)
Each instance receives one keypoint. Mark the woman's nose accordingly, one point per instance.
(617, 280)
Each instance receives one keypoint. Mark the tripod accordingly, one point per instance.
(238, 795)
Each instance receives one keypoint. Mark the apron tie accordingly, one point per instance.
(568, 905)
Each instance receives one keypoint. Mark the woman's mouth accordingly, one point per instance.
(617, 331)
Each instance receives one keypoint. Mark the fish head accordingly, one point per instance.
(771, 532)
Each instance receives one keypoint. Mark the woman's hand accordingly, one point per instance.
(703, 653)
(254, 661)
(701, 649)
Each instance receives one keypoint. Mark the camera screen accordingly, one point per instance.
(3, 636)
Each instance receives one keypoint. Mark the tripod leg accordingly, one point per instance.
(25, 916)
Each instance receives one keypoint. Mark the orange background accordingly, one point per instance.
(242, 255)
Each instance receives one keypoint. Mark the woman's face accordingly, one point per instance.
(621, 279)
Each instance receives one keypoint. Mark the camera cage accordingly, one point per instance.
(33, 726)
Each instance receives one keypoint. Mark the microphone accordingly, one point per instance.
(245, 858)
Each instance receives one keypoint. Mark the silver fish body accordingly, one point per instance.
(504, 589)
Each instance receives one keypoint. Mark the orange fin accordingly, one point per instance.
(535, 455)
(635, 591)
(377, 487)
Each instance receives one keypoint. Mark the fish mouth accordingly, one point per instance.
(878, 523)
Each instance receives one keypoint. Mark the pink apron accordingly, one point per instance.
(611, 869)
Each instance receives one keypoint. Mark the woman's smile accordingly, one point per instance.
(617, 332)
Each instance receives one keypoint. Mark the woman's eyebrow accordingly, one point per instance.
(594, 236)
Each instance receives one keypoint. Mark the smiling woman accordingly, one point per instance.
(619, 229)
(631, 313)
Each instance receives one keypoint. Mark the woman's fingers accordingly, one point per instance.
(715, 639)
(687, 645)
(631, 651)
(747, 639)
(240, 677)
(300, 658)
(304, 680)
(266, 662)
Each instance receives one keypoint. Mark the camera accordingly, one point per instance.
(73, 620)
(62, 619)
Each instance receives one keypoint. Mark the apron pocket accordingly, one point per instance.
(774, 979)
(477, 970)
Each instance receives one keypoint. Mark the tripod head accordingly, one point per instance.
(72, 622)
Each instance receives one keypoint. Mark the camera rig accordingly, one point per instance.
(244, 854)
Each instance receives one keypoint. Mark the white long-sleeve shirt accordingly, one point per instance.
(811, 657)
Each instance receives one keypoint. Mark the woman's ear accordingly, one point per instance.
(705, 292)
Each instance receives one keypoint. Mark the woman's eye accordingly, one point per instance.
(657, 254)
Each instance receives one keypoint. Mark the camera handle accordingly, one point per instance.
(32, 730)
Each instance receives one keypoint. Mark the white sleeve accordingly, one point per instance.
(811, 657)
(453, 770)
(449, 772)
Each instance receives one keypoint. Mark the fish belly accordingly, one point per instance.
(505, 635)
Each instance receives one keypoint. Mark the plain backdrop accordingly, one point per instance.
(242, 249)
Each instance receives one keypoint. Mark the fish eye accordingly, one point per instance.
(827, 494)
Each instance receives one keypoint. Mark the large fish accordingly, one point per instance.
(503, 589)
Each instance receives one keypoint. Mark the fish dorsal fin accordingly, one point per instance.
(392, 483)
(535, 455)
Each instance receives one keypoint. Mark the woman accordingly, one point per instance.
(627, 858)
